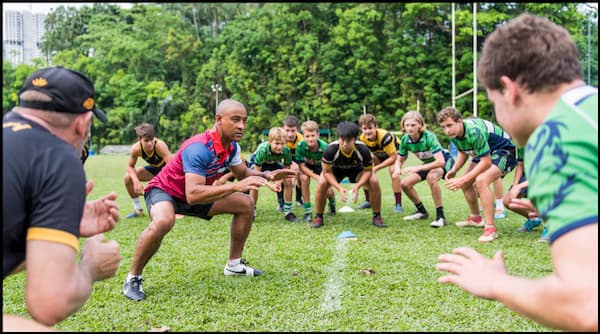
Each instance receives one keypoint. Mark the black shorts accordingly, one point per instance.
(340, 174)
(448, 164)
(317, 169)
(155, 195)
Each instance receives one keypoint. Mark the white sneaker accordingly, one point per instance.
(440, 222)
(417, 215)
(241, 269)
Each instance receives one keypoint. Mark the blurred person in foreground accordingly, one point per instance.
(44, 199)
(542, 101)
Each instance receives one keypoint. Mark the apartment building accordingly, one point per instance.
(22, 33)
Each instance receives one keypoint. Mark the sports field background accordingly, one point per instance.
(384, 280)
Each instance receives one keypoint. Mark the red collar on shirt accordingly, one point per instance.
(218, 145)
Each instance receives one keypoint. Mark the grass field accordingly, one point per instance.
(313, 281)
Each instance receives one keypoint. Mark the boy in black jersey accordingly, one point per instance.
(152, 150)
(347, 157)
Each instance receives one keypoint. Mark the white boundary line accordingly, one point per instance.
(334, 288)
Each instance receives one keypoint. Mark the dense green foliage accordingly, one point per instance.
(321, 61)
(187, 291)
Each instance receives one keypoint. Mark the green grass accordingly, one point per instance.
(187, 290)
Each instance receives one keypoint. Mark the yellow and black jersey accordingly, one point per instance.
(293, 144)
(152, 157)
(43, 183)
(384, 145)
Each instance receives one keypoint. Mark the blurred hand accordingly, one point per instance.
(100, 215)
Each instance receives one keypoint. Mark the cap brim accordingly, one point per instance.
(101, 115)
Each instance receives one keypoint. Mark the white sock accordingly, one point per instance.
(233, 262)
(137, 204)
(130, 276)
(500, 204)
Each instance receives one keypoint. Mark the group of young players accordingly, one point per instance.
(360, 150)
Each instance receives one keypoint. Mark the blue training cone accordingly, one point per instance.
(346, 235)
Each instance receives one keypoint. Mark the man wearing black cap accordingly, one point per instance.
(44, 199)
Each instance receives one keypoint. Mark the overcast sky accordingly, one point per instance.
(45, 7)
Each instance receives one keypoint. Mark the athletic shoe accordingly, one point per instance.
(470, 223)
(241, 269)
(280, 207)
(318, 222)
(398, 208)
(544, 237)
(499, 214)
(440, 222)
(307, 217)
(291, 217)
(364, 205)
(299, 203)
(378, 222)
(417, 215)
(489, 234)
(530, 224)
(254, 214)
(135, 214)
(132, 289)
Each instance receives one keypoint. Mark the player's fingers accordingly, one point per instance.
(467, 252)
(89, 186)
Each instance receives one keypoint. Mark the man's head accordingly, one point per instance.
(145, 133)
(524, 65)
(310, 131)
(451, 122)
(231, 118)
(368, 125)
(347, 133)
(69, 91)
(64, 100)
(277, 139)
(290, 125)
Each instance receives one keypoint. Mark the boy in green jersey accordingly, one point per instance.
(492, 156)
(274, 155)
(309, 152)
(531, 71)
(436, 162)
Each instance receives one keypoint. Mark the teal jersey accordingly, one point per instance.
(424, 148)
(263, 154)
(561, 162)
(305, 155)
(482, 137)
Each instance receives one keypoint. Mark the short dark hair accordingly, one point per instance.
(145, 130)
(291, 121)
(347, 130)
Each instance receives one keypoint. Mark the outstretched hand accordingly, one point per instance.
(280, 174)
(99, 215)
(472, 271)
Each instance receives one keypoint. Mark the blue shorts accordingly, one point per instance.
(153, 169)
(155, 195)
(504, 159)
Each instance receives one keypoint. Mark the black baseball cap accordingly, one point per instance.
(71, 91)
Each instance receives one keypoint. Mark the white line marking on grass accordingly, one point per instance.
(335, 279)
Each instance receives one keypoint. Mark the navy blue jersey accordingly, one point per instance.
(43, 189)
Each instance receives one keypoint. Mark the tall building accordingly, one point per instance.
(22, 34)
